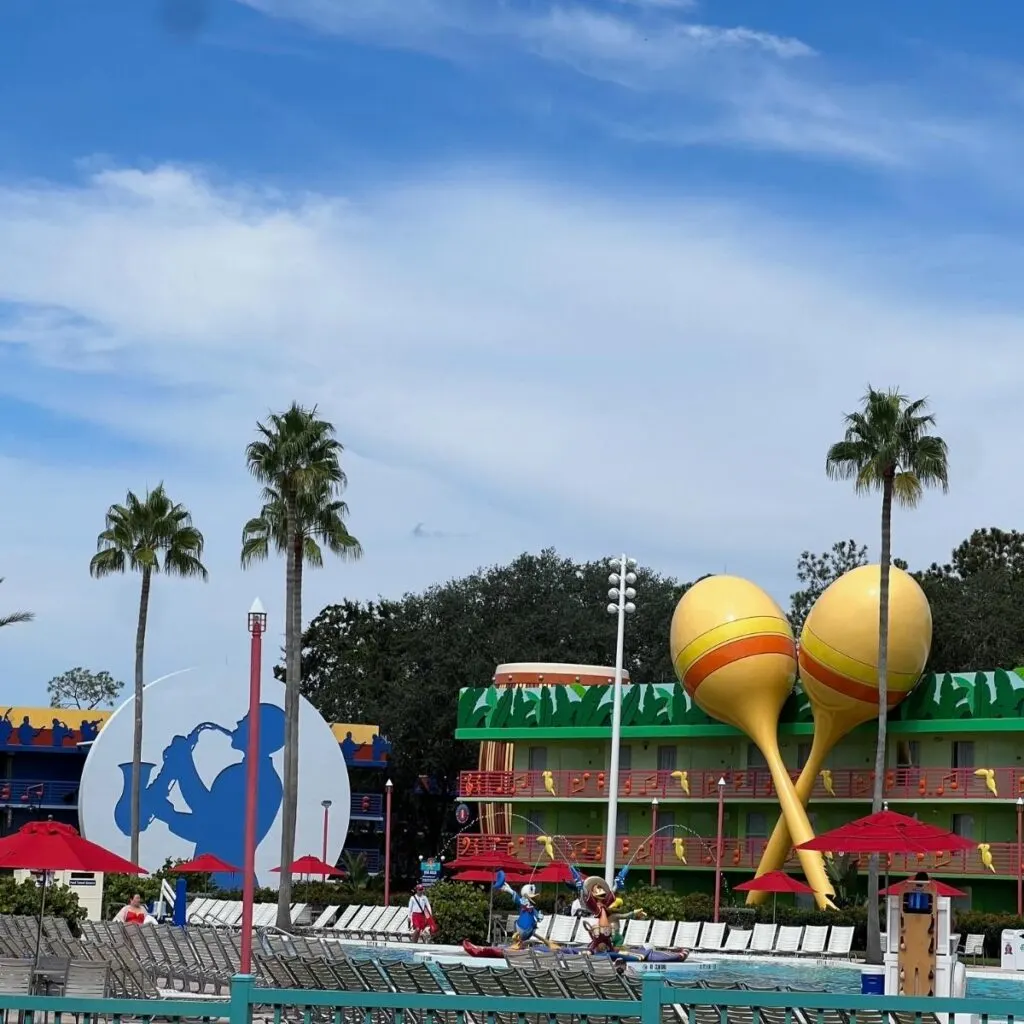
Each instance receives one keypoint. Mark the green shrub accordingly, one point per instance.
(460, 911)
(973, 922)
(23, 898)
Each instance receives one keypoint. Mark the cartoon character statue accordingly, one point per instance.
(529, 913)
(602, 900)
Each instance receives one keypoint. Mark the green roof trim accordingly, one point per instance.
(948, 702)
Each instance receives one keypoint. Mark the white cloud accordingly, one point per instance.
(513, 364)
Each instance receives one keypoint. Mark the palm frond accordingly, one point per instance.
(15, 617)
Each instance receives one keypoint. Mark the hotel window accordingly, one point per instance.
(803, 752)
(625, 758)
(667, 759)
(963, 754)
(757, 825)
(666, 818)
(908, 754)
(622, 821)
(755, 759)
(963, 825)
(538, 759)
(535, 825)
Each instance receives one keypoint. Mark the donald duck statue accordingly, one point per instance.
(529, 913)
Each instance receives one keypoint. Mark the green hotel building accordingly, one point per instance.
(956, 756)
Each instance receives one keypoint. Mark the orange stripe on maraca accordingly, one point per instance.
(842, 684)
(733, 651)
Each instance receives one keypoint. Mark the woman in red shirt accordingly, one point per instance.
(133, 912)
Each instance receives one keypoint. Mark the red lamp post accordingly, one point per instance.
(326, 805)
(388, 787)
(1020, 856)
(654, 828)
(257, 627)
(718, 847)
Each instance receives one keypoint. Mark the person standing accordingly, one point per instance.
(421, 915)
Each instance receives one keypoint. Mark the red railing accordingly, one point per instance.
(688, 851)
(752, 784)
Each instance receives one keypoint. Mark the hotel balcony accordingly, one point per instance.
(38, 793)
(740, 855)
(853, 784)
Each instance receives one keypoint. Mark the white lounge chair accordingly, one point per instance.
(196, 911)
(840, 941)
(544, 927)
(662, 934)
(369, 925)
(814, 940)
(974, 946)
(264, 915)
(326, 916)
(354, 924)
(399, 927)
(763, 939)
(636, 932)
(341, 922)
(788, 940)
(737, 941)
(299, 914)
(711, 937)
(379, 928)
(687, 935)
(562, 929)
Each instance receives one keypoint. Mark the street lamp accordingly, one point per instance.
(388, 789)
(257, 627)
(654, 829)
(620, 599)
(326, 805)
(1020, 856)
(718, 847)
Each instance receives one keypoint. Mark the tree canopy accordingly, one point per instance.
(80, 688)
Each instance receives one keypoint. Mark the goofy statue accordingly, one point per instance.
(604, 904)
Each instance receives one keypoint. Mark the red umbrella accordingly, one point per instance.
(557, 871)
(54, 846)
(207, 863)
(479, 875)
(310, 865)
(888, 832)
(941, 889)
(774, 882)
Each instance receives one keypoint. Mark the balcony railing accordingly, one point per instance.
(367, 807)
(37, 793)
(689, 851)
(748, 784)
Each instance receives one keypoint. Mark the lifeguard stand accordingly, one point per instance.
(919, 961)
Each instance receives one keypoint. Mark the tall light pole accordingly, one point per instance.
(388, 788)
(1020, 856)
(326, 805)
(718, 847)
(654, 828)
(621, 604)
(257, 627)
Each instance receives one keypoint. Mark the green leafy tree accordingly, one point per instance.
(13, 617)
(887, 447)
(818, 572)
(80, 688)
(297, 458)
(148, 536)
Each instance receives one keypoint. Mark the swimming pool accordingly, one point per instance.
(837, 978)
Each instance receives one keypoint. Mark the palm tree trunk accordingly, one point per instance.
(292, 645)
(140, 651)
(874, 937)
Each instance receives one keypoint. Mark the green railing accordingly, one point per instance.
(660, 1002)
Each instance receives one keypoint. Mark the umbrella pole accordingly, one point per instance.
(39, 930)
(490, 913)
(775, 900)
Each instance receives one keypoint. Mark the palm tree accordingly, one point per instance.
(298, 460)
(10, 620)
(147, 536)
(887, 448)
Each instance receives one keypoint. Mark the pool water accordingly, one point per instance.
(835, 979)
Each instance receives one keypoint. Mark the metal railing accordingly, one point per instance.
(37, 793)
(684, 785)
(652, 1000)
(683, 850)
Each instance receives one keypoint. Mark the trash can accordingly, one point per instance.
(872, 981)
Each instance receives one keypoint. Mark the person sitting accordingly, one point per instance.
(133, 912)
(421, 915)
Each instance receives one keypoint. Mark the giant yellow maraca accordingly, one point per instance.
(733, 651)
(839, 670)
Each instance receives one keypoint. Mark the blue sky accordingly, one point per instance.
(464, 229)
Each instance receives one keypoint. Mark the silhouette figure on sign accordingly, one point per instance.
(349, 747)
(6, 728)
(215, 819)
(379, 748)
(90, 730)
(27, 732)
(59, 732)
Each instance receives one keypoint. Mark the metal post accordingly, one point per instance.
(621, 596)
(718, 847)
(654, 828)
(326, 805)
(257, 627)
(1020, 856)
(388, 789)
